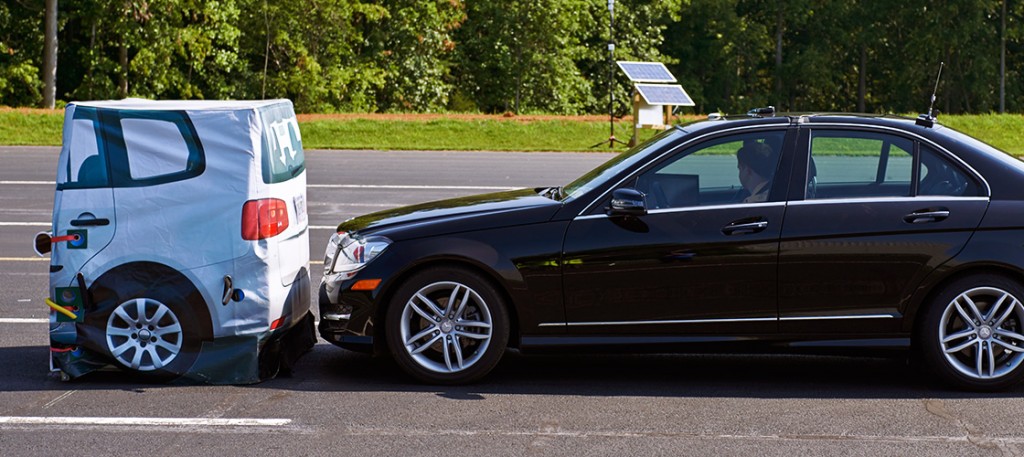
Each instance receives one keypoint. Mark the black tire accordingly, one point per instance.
(970, 335)
(149, 348)
(461, 340)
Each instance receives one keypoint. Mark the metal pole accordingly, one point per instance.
(1002, 62)
(611, 74)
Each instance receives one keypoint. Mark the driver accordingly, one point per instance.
(756, 166)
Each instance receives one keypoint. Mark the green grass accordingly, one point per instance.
(461, 135)
(30, 127)
(1004, 131)
(43, 128)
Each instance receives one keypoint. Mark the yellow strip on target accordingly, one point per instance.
(60, 309)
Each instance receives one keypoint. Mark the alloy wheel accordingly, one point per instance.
(144, 334)
(980, 333)
(446, 327)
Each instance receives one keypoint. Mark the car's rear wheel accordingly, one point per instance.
(447, 326)
(147, 336)
(146, 319)
(973, 333)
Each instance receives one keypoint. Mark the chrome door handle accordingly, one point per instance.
(744, 229)
(920, 217)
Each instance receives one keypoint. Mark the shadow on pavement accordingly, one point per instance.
(330, 369)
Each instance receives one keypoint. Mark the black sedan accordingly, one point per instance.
(817, 232)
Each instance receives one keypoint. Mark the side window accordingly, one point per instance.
(159, 147)
(940, 177)
(86, 165)
(734, 169)
(850, 164)
(155, 148)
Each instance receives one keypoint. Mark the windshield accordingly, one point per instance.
(627, 159)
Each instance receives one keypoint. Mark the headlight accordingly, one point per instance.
(347, 254)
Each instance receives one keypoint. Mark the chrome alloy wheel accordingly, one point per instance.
(980, 333)
(144, 334)
(446, 327)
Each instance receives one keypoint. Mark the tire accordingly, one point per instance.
(447, 326)
(972, 336)
(145, 323)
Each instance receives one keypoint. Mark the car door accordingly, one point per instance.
(84, 201)
(700, 261)
(880, 210)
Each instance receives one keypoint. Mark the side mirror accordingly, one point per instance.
(627, 202)
(42, 243)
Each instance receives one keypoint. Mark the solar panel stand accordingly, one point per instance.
(648, 116)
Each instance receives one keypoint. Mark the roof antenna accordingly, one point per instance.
(928, 120)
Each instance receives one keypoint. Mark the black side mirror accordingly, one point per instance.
(627, 202)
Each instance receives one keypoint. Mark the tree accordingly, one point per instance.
(50, 55)
(520, 55)
(312, 52)
(20, 42)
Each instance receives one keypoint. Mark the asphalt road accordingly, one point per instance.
(342, 403)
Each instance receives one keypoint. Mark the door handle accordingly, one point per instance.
(90, 222)
(744, 228)
(920, 217)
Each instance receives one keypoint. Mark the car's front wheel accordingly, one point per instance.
(973, 333)
(447, 326)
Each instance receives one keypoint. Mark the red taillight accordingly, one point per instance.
(264, 218)
(276, 324)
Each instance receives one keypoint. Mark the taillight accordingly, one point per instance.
(264, 218)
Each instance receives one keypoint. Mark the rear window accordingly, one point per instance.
(283, 158)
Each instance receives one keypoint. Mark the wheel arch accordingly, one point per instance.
(105, 288)
(916, 312)
(487, 274)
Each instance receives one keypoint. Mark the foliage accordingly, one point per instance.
(524, 56)
(20, 63)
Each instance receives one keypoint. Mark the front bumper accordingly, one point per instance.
(347, 317)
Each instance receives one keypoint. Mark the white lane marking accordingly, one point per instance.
(144, 421)
(24, 300)
(627, 434)
(47, 259)
(25, 224)
(323, 186)
(407, 187)
(47, 224)
(23, 320)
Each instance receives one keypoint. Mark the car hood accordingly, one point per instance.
(477, 212)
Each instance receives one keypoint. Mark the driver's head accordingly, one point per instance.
(758, 158)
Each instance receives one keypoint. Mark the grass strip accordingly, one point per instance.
(35, 127)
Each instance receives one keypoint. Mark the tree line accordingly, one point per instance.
(523, 56)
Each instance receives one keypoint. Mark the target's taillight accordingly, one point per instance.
(264, 218)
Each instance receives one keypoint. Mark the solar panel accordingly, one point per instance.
(647, 72)
(664, 94)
